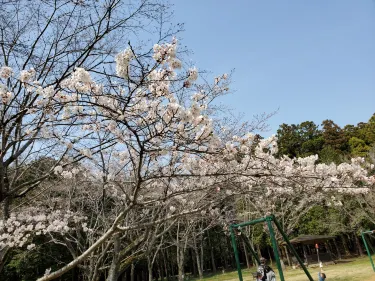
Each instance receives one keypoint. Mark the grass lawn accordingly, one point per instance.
(348, 270)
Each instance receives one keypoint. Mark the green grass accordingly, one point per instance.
(348, 270)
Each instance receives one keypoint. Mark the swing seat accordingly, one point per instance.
(255, 275)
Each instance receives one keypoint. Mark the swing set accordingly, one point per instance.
(364, 234)
(268, 220)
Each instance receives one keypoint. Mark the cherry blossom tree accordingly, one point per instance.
(42, 42)
(143, 132)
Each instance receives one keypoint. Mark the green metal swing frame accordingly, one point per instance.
(363, 233)
(268, 220)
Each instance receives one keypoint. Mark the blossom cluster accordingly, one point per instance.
(122, 62)
(27, 75)
(67, 174)
(6, 72)
(5, 95)
(19, 229)
(166, 53)
(80, 80)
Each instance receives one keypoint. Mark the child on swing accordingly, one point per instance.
(265, 273)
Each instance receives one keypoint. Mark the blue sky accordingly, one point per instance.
(313, 60)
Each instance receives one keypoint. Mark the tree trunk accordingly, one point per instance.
(225, 257)
(193, 262)
(199, 264)
(6, 200)
(358, 244)
(180, 263)
(149, 268)
(337, 249)
(329, 250)
(172, 267)
(75, 276)
(225, 262)
(253, 260)
(124, 276)
(212, 254)
(246, 254)
(304, 253)
(160, 268)
(283, 250)
(287, 256)
(270, 255)
(132, 272)
(345, 245)
(259, 252)
(3, 252)
(165, 265)
(202, 255)
(114, 269)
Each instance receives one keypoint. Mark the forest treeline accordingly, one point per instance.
(328, 140)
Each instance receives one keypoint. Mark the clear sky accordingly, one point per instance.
(313, 60)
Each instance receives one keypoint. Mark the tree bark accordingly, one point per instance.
(202, 255)
(270, 255)
(358, 244)
(172, 266)
(132, 272)
(304, 253)
(114, 269)
(3, 252)
(287, 256)
(193, 263)
(232, 259)
(337, 249)
(199, 264)
(258, 251)
(180, 262)
(149, 268)
(345, 245)
(6, 211)
(246, 254)
(161, 271)
(165, 266)
(212, 254)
